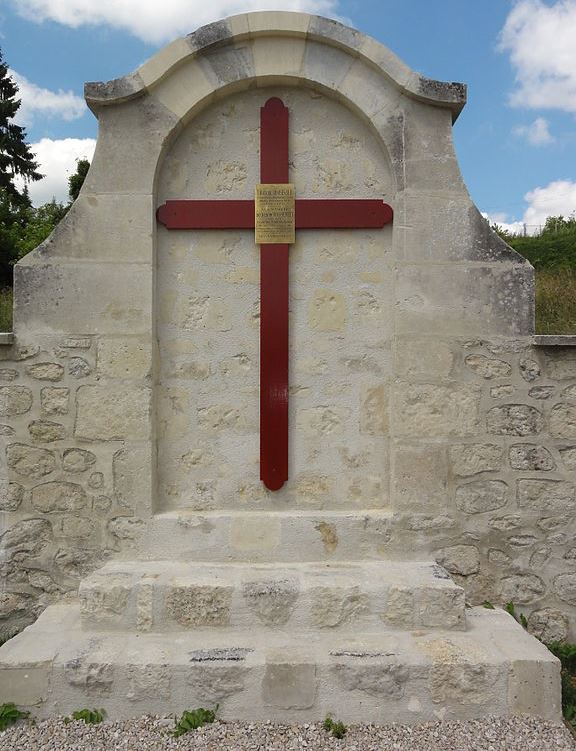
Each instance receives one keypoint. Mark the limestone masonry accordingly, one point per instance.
(430, 431)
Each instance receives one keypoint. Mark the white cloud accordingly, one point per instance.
(57, 161)
(541, 40)
(538, 133)
(39, 101)
(156, 22)
(558, 198)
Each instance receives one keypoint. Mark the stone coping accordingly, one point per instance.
(6, 337)
(275, 23)
(554, 340)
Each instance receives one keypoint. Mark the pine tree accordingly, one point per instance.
(15, 155)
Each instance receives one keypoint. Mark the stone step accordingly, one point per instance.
(175, 596)
(294, 535)
(493, 668)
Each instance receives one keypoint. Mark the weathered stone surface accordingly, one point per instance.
(561, 367)
(569, 457)
(219, 417)
(6, 431)
(541, 392)
(562, 421)
(459, 559)
(132, 477)
(45, 371)
(43, 581)
(29, 461)
(565, 587)
(549, 625)
(47, 431)
(108, 601)
(327, 311)
(333, 606)
(505, 523)
(28, 536)
(531, 458)
(374, 411)
(77, 527)
(376, 680)
(289, 685)
(272, 600)
(96, 678)
(55, 400)
(481, 496)
(488, 367)
(106, 415)
(13, 604)
(215, 683)
(200, 605)
(124, 358)
(424, 358)
(550, 496)
(514, 419)
(78, 367)
(125, 527)
(470, 459)
(78, 460)
(148, 682)
(521, 588)
(431, 410)
(78, 562)
(8, 374)
(14, 400)
(500, 392)
(498, 557)
(452, 679)
(321, 421)
(529, 369)
(11, 494)
(96, 480)
(58, 496)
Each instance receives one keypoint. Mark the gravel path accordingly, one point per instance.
(151, 734)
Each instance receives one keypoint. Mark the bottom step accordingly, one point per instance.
(495, 667)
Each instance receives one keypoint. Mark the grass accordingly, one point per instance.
(556, 301)
(5, 309)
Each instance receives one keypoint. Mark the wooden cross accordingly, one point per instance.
(309, 214)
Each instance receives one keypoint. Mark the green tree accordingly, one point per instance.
(16, 159)
(76, 181)
(38, 225)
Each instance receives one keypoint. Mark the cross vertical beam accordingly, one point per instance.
(274, 304)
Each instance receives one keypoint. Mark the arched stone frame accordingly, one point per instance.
(262, 49)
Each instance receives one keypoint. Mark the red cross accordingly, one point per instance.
(310, 214)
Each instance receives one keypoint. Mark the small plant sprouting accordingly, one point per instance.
(520, 617)
(89, 716)
(194, 719)
(9, 714)
(338, 729)
(488, 605)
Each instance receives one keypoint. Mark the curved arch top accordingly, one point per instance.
(239, 28)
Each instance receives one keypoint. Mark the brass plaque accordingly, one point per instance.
(274, 220)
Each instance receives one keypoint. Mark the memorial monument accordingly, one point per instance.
(274, 408)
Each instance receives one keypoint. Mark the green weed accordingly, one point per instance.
(194, 719)
(338, 729)
(89, 716)
(5, 309)
(9, 714)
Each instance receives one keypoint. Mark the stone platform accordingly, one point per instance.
(258, 674)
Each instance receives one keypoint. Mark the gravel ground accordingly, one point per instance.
(152, 734)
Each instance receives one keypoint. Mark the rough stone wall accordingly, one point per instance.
(483, 470)
(74, 467)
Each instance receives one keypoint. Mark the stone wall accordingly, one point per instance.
(75, 465)
(416, 388)
(482, 471)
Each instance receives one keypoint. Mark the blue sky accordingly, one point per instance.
(515, 139)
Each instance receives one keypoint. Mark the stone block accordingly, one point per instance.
(124, 358)
(15, 400)
(374, 411)
(29, 461)
(514, 419)
(428, 410)
(528, 457)
(473, 458)
(424, 358)
(105, 414)
(288, 685)
(54, 400)
(200, 605)
(47, 431)
(58, 496)
(459, 559)
(550, 496)
(562, 421)
(78, 460)
(45, 371)
(480, 496)
(419, 477)
(272, 600)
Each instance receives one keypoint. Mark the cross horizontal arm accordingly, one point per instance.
(348, 213)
